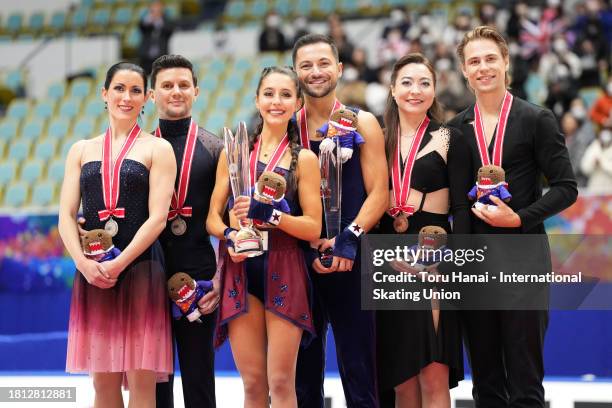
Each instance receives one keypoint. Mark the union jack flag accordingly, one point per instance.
(536, 38)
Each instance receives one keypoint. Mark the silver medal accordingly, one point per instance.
(178, 226)
(111, 227)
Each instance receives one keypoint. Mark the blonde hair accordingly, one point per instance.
(484, 33)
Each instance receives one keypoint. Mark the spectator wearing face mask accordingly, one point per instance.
(589, 64)
(156, 29)
(352, 86)
(488, 13)
(376, 92)
(336, 31)
(351, 89)
(597, 162)
(272, 37)
(560, 54)
(393, 47)
(451, 90)
(462, 23)
(601, 113)
(578, 136)
(521, 70)
(398, 19)
(595, 25)
(359, 62)
(518, 13)
(562, 90)
(300, 25)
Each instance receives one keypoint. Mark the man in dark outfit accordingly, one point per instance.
(156, 29)
(186, 244)
(337, 288)
(506, 346)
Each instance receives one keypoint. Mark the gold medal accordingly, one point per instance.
(111, 227)
(400, 223)
(178, 226)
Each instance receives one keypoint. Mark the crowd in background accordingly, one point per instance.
(560, 58)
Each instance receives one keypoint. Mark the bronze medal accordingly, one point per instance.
(178, 226)
(401, 181)
(111, 227)
(400, 223)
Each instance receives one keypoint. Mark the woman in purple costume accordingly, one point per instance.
(119, 326)
(265, 302)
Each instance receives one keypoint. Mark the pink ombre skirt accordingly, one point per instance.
(124, 328)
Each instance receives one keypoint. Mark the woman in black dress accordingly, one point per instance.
(419, 351)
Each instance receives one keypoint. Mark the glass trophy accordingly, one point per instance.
(248, 239)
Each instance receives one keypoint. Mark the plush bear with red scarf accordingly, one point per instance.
(491, 182)
(342, 126)
(185, 293)
(98, 245)
(268, 197)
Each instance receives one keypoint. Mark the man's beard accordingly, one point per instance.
(320, 93)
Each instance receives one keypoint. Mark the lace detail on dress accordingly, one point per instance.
(440, 142)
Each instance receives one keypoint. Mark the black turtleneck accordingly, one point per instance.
(192, 252)
(174, 128)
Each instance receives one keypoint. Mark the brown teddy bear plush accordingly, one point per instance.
(430, 251)
(432, 237)
(98, 245)
(342, 125)
(491, 182)
(270, 187)
(268, 195)
(185, 293)
(431, 247)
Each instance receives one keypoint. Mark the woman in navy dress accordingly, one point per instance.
(265, 302)
(119, 326)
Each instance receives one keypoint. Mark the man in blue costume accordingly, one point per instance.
(337, 291)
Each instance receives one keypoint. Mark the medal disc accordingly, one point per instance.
(111, 227)
(178, 226)
(400, 223)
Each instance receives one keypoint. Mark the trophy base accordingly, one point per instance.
(326, 257)
(249, 249)
(248, 242)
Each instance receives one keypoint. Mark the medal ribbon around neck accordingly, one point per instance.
(304, 124)
(278, 153)
(401, 183)
(177, 203)
(481, 140)
(111, 173)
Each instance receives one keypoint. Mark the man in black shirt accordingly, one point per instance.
(156, 29)
(186, 244)
(506, 346)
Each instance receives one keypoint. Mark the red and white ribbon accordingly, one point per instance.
(177, 204)
(401, 183)
(276, 156)
(481, 140)
(111, 172)
(305, 140)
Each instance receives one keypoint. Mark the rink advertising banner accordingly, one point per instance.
(32, 257)
(486, 272)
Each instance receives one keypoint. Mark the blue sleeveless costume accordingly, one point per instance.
(337, 301)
